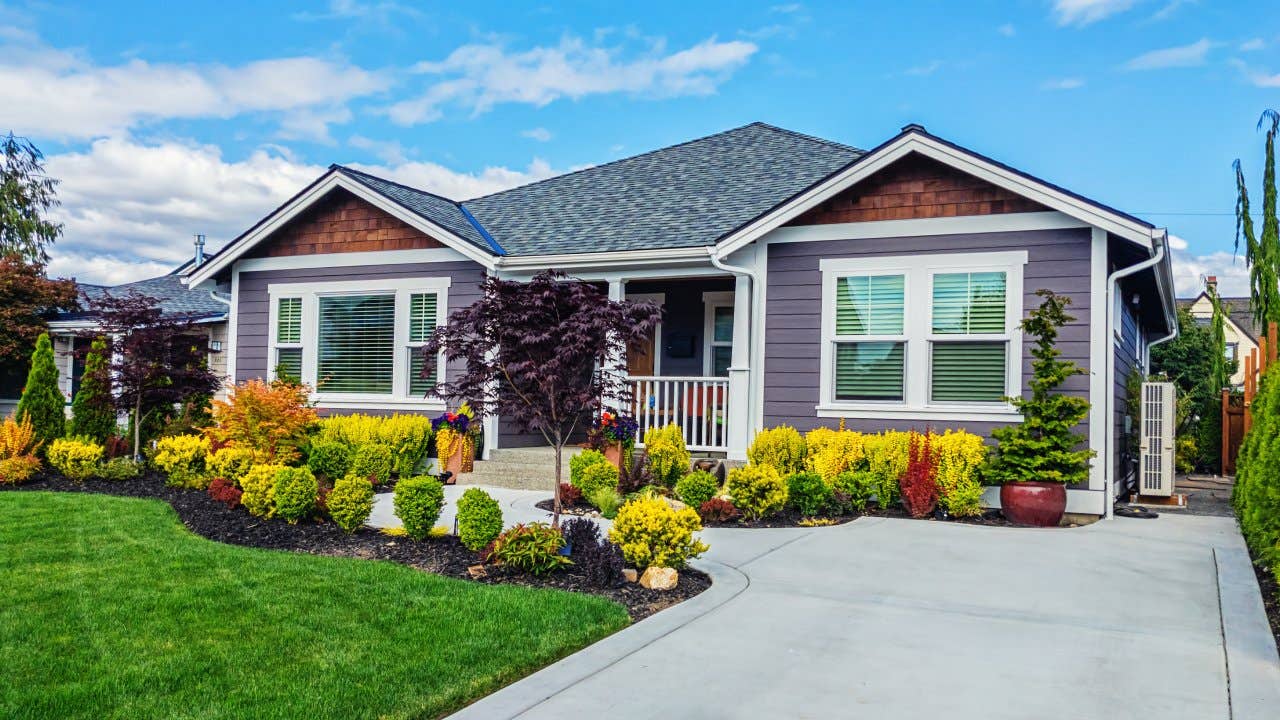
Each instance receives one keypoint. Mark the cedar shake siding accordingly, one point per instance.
(254, 310)
(338, 223)
(1057, 260)
(917, 187)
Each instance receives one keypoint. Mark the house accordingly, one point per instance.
(1240, 329)
(204, 309)
(804, 281)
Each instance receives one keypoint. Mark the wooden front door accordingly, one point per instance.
(640, 356)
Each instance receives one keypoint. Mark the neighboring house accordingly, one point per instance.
(1240, 329)
(804, 281)
(176, 299)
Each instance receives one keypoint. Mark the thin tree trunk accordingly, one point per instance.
(555, 515)
(137, 429)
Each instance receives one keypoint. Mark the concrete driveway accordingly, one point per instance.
(903, 619)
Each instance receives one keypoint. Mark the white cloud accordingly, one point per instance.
(389, 151)
(1190, 270)
(54, 93)
(925, 70)
(480, 76)
(1079, 13)
(1171, 7)
(131, 209)
(1068, 83)
(1180, 56)
(352, 10)
(1253, 45)
(540, 134)
(786, 8)
(1007, 30)
(1258, 78)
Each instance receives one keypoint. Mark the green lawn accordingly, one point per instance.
(110, 608)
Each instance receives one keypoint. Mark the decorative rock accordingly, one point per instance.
(674, 504)
(659, 578)
(629, 574)
(477, 571)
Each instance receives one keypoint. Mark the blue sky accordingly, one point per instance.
(166, 119)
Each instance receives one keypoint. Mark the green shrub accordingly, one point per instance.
(595, 477)
(408, 436)
(42, 403)
(92, 412)
(121, 468)
(296, 490)
(666, 454)
(533, 548)
(418, 501)
(580, 462)
(853, 490)
(807, 493)
(259, 486)
(372, 461)
(329, 459)
(757, 490)
(230, 463)
(479, 519)
(1256, 495)
(182, 459)
(350, 502)
(77, 458)
(782, 447)
(606, 500)
(651, 533)
(696, 488)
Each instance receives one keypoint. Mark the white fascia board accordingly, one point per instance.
(334, 179)
(963, 161)
(351, 259)
(924, 227)
(73, 325)
(660, 256)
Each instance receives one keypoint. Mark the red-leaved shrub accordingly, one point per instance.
(919, 483)
(718, 510)
(569, 495)
(116, 446)
(225, 492)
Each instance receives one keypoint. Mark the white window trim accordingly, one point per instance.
(918, 271)
(711, 301)
(403, 288)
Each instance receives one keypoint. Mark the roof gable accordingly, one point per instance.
(341, 222)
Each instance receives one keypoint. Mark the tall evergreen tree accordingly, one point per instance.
(42, 402)
(1262, 254)
(27, 195)
(92, 411)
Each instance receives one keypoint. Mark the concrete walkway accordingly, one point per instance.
(903, 619)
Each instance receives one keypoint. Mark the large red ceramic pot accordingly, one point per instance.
(1038, 504)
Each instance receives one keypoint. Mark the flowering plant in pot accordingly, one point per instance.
(1037, 458)
(614, 435)
(456, 440)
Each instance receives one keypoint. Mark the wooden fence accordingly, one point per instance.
(1255, 364)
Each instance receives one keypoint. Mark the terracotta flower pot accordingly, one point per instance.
(1038, 504)
(463, 459)
(613, 453)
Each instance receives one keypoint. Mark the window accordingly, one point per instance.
(968, 345)
(922, 333)
(357, 342)
(288, 328)
(717, 346)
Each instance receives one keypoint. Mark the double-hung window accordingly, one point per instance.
(921, 335)
(359, 341)
(717, 348)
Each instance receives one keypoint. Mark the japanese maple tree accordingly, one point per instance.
(543, 353)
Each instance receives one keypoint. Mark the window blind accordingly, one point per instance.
(869, 305)
(289, 364)
(356, 348)
(289, 321)
(968, 372)
(422, 316)
(869, 370)
(969, 303)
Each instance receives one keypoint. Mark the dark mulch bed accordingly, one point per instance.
(443, 556)
(582, 508)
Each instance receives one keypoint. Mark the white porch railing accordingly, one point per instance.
(698, 405)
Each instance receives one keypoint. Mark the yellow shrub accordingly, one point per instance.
(959, 455)
(782, 447)
(182, 458)
(17, 438)
(888, 452)
(14, 470)
(230, 463)
(77, 458)
(757, 490)
(259, 486)
(651, 533)
(666, 454)
(408, 436)
(832, 452)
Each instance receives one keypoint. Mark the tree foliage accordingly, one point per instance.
(27, 195)
(1262, 254)
(42, 403)
(1045, 446)
(93, 413)
(543, 353)
(1195, 362)
(158, 361)
(28, 300)
(271, 420)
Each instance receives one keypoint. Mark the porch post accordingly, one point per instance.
(739, 416)
(616, 360)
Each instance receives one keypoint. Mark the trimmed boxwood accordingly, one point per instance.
(479, 519)
(418, 501)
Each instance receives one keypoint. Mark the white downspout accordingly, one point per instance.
(1159, 238)
(745, 327)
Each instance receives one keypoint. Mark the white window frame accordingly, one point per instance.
(918, 272)
(402, 289)
(711, 301)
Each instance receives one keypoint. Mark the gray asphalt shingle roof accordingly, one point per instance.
(439, 210)
(685, 195)
(175, 298)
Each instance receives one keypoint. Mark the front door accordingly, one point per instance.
(642, 356)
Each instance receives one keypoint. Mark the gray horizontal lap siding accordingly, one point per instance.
(1057, 260)
(253, 309)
